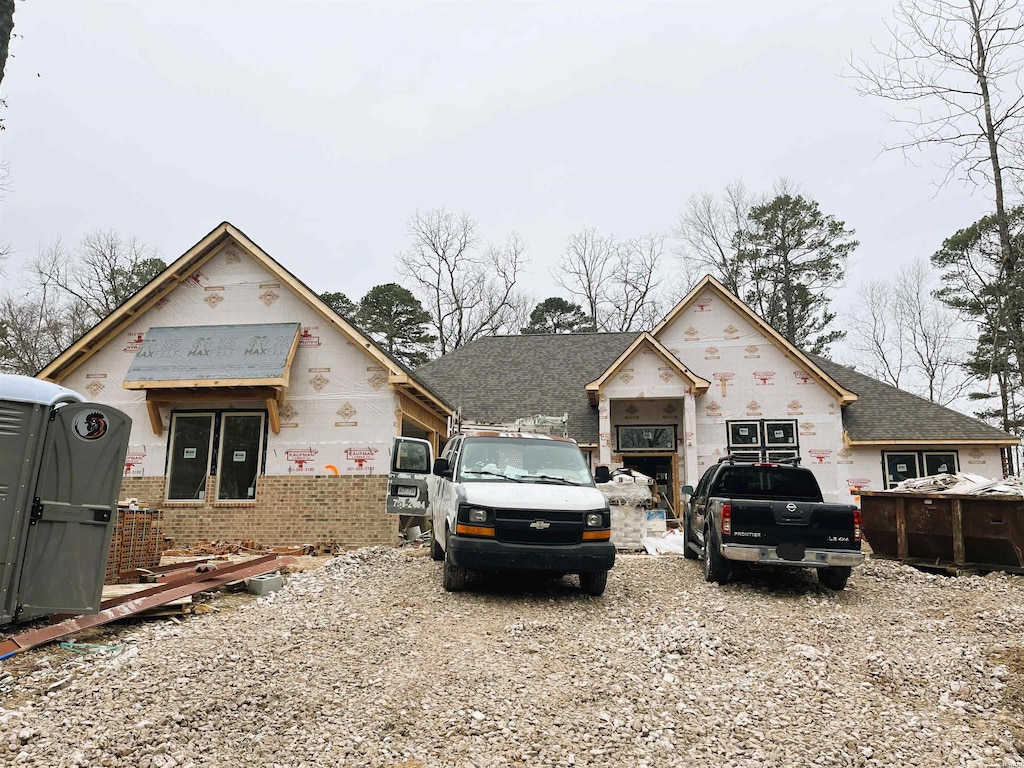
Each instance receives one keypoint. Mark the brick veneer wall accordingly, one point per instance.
(287, 510)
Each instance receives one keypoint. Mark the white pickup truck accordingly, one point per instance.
(506, 501)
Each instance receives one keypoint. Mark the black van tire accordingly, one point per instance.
(834, 577)
(715, 567)
(593, 583)
(454, 577)
(436, 550)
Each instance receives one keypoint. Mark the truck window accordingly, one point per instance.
(767, 483)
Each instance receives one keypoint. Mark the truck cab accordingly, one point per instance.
(506, 501)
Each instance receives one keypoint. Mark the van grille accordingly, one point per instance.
(518, 526)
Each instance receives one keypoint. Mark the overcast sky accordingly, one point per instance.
(320, 128)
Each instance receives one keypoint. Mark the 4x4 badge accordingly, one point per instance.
(540, 525)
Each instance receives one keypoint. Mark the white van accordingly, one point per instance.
(506, 501)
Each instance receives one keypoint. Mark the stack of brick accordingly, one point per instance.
(137, 543)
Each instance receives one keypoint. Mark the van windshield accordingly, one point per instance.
(523, 460)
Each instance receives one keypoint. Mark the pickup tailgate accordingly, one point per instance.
(815, 525)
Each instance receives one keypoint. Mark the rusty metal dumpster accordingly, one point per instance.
(946, 531)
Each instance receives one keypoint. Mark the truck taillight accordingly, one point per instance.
(856, 525)
(727, 519)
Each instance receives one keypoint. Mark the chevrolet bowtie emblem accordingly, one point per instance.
(540, 525)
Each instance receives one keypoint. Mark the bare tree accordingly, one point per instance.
(707, 231)
(585, 269)
(908, 338)
(36, 326)
(6, 30)
(955, 65)
(616, 283)
(102, 273)
(468, 288)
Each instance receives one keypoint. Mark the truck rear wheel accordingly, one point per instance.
(594, 583)
(716, 568)
(834, 577)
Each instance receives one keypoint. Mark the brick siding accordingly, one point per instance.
(288, 510)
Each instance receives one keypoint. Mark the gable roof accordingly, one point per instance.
(503, 378)
(193, 259)
(646, 340)
(801, 358)
(884, 414)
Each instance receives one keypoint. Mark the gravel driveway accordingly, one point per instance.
(367, 662)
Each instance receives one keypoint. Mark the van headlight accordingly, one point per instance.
(595, 520)
(477, 515)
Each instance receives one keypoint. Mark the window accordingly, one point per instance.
(191, 441)
(661, 437)
(763, 440)
(236, 463)
(241, 440)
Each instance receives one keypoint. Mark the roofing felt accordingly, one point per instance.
(502, 378)
(206, 352)
(883, 412)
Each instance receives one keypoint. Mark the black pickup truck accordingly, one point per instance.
(770, 514)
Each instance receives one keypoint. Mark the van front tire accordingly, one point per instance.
(594, 583)
(454, 577)
(436, 551)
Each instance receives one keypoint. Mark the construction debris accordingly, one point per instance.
(961, 483)
(136, 541)
(250, 546)
(146, 599)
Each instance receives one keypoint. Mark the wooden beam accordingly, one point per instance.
(275, 417)
(275, 381)
(154, 417)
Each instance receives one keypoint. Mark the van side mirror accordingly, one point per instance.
(442, 468)
(602, 474)
(686, 490)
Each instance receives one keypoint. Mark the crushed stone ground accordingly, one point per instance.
(366, 661)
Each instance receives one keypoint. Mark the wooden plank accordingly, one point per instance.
(956, 512)
(272, 381)
(901, 529)
(275, 417)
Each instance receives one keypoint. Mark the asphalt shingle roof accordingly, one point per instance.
(503, 378)
(883, 412)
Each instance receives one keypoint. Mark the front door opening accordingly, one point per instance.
(661, 469)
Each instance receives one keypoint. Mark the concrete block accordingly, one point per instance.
(265, 584)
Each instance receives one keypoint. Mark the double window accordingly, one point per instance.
(228, 445)
(763, 439)
(904, 465)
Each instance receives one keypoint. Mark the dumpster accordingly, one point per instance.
(946, 531)
(61, 463)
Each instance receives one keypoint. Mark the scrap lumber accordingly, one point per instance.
(130, 605)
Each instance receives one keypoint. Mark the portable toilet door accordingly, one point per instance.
(73, 511)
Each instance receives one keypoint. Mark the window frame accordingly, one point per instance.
(763, 449)
(213, 462)
(655, 449)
